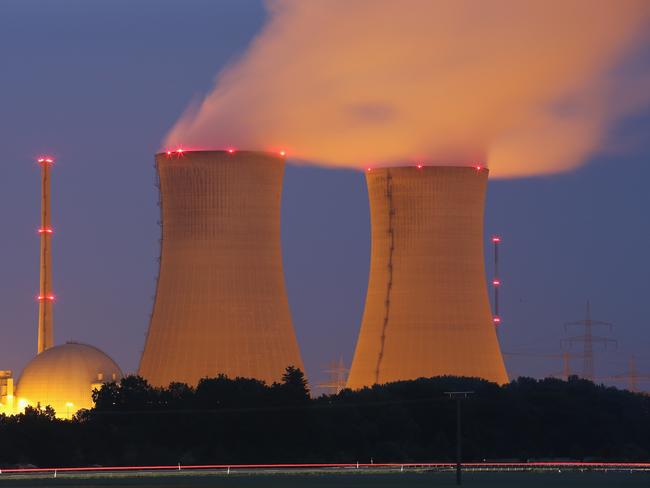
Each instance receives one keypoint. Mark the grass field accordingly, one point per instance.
(339, 480)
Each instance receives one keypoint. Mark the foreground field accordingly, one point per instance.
(338, 480)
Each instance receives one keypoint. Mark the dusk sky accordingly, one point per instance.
(98, 85)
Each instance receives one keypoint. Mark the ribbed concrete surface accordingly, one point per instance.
(427, 311)
(221, 304)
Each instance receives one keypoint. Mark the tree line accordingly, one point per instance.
(242, 420)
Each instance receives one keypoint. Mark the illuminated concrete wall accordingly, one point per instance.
(427, 311)
(221, 304)
(6, 392)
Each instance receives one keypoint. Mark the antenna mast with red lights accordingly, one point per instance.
(496, 281)
(45, 294)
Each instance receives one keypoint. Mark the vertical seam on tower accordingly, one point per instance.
(389, 285)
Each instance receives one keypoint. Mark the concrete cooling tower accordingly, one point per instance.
(221, 304)
(427, 311)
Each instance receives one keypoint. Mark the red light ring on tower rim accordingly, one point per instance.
(178, 152)
(45, 160)
(40, 298)
(45, 230)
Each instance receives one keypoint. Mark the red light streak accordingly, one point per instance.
(48, 297)
(45, 230)
(494, 465)
(45, 159)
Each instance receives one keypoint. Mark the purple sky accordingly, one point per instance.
(98, 84)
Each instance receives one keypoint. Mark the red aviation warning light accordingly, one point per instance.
(420, 166)
(478, 167)
(45, 297)
(496, 282)
(231, 150)
(283, 153)
(496, 320)
(496, 239)
(45, 230)
(46, 160)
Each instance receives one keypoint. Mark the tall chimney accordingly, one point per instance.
(45, 294)
(221, 304)
(427, 311)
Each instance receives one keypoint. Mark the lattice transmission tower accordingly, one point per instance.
(337, 376)
(588, 339)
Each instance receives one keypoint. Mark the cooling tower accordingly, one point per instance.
(221, 304)
(427, 311)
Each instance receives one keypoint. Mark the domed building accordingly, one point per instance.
(64, 377)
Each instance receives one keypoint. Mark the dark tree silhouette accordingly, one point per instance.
(243, 420)
(294, 387)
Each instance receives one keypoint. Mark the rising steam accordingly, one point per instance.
(530, 87)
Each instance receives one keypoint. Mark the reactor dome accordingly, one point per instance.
(64, 377)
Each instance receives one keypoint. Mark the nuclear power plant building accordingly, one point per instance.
(64, 376)
(427, 310)
(221, 303)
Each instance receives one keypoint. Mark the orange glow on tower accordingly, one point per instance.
(427, 311)
(221, 304)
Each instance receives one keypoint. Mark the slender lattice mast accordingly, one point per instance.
(496, 282)
(45, 294)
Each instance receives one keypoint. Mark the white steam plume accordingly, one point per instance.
(530, 87)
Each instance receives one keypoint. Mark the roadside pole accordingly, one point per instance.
(458, 396)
